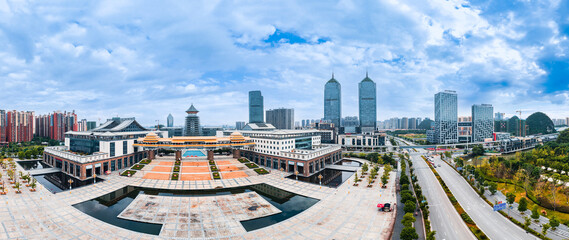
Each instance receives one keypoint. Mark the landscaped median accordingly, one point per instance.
(465, 217)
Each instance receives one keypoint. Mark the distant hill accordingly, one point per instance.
(539, 123)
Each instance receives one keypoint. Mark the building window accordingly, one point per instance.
(119, 164)
(113, 165)
(77, 170)
(124, 147)
(71, 166)
(125, 162)
(112, 154)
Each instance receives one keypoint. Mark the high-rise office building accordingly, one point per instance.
(446, 114)
(3, 127)
(91, 125)
(333, 101)
(367, 105)
(170, 121)
(282, 118)
(193, 127)
(239, 125)
(482, 122)
(256, 112)
(404, 123)
(412, 123)
(499, 116)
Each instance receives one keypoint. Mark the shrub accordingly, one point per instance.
(409, 206)
(523, 205)
(466, 218)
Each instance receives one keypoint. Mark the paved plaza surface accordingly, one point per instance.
(346, 212)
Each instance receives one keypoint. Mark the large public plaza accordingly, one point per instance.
(241, 204)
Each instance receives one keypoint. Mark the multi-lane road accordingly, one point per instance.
(444, 218)
(493, 224)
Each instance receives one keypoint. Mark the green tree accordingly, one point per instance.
(554, 223)
(408, 219)
(523, 205)
(409, 207)
(431, 235)
(511, 198)
(481, 186)
(477, 150)
(408, 233)
(493, 188)
(535, 213)
(544, 229)
(459, 162)
(527, 221)
(563, 136)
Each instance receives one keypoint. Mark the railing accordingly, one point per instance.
(61, 151)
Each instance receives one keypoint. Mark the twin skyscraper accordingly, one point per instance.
(367, 103)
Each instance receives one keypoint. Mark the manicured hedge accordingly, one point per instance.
(211, 162)
(176, 168)
(216, 175)
(242, 160)
(214, 169)
(175, 176)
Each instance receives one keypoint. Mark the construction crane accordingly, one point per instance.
(520, 123)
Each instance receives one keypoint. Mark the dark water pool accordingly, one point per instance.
(330, 177)
(347, 162)
(107, 207)
(32, 165)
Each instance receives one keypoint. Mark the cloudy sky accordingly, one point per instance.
(150, 58)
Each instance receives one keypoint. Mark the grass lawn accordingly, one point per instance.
(175, 176)
(137, 167)
(214, 169)
(145, 161)
(261, 171)
(251, 165)
(216, 175)
(562, 217)
(125, 173)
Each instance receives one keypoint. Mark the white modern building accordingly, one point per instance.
(290, 150)
(368, 142)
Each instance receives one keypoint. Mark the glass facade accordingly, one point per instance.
(482, 122)
(367, 104)
(124, 147)
(333, 101)
(87, 146)
(256, 112)
(446, 117)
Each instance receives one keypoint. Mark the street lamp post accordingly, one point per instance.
(296, 173)
(282, 173)
(320, 178)
(94, 178)
(70, 181)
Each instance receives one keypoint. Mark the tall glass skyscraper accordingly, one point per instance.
(446, 117)
(482, 122)
(170, 121)
(333, 101)
(368, 105)
(256, 112)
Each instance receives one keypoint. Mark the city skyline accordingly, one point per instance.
(101, 60)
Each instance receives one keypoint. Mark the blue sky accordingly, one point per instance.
(150, 58)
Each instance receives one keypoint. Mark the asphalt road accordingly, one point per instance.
(493, 224)
(444, 218)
